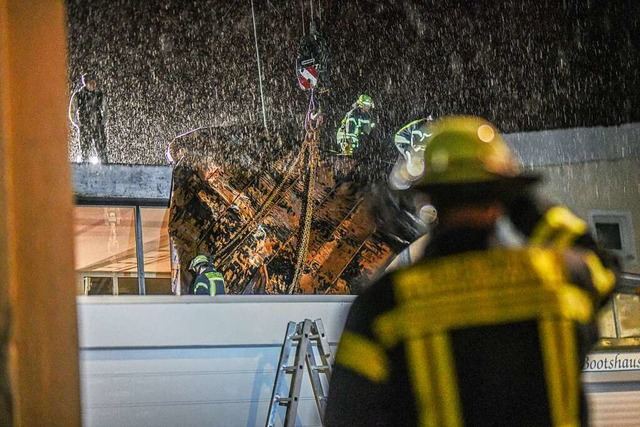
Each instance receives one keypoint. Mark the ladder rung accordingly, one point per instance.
(283, 401)
(320, 367)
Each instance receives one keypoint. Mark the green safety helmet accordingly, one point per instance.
(197, 260)
(464, 150)
(365, 100)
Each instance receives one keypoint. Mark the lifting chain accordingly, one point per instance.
(308, 154)
(313, 120)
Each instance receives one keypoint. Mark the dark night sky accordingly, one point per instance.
(169, 66)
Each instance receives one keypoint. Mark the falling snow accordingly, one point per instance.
(169, 66)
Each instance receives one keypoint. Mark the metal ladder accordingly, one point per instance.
(302, 336)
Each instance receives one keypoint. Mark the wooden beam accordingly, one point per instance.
(36, 252)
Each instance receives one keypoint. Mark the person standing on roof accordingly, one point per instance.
(355, 124)
(208, 281)
(480, 330)
(88, 113)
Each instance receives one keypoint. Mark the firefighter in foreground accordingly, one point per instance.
(478, 331)
(208, 281)
(355, 125)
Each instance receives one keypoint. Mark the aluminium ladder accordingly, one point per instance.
(302, 337)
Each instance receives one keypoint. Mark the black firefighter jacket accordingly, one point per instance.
(471, 335)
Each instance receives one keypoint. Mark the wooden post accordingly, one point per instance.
(36, 213)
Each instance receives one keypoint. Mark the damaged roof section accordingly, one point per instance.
(247, 210)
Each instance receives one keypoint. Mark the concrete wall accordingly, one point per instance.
(577, 145)
(609, 185)
(589, 169)
(122, 182)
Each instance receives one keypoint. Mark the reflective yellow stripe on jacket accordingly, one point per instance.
(558, 228)
(363, 356)
(482, 289)
(214, 277)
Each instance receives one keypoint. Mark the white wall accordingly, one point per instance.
(607, 185)
(199, 361)
(589, 169)
(192, 361)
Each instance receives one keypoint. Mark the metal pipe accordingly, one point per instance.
(140, 252)
(616, 316)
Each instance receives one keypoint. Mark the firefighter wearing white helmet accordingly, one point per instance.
(410, 140)
(208, 281)
(452, 339)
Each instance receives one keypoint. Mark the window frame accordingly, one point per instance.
(137, 205)
(624, 221)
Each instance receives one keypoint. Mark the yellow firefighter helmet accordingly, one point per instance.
(465, 150)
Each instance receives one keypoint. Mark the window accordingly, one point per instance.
(620, 319)
(108, 239)
(609, 235)
(105, 247)
(157, 258)
(619, 322)
(628, 315)
(614, 231)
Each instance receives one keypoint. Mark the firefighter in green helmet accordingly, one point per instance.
(357, 123)
(491, 325)
(208, 280)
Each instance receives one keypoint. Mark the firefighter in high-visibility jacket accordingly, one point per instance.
(410, 141)
(208, 281)
(355, 125)
(484, 329)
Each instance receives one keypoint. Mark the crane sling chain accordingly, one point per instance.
(312, 124)
(308, 152)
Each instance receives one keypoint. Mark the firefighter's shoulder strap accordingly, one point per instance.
(301, 337)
